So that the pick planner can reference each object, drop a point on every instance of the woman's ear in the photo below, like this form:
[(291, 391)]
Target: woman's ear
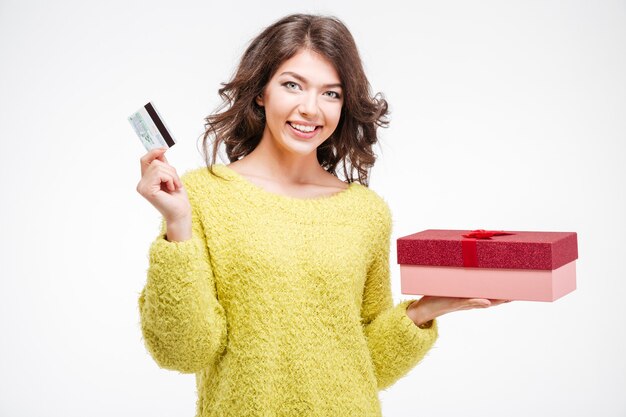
[(259, 99)]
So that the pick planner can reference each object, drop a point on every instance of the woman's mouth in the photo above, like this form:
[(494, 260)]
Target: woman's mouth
[(304, 135)]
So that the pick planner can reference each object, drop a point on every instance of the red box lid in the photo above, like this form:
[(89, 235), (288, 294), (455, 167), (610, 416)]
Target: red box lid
[(518, 250)]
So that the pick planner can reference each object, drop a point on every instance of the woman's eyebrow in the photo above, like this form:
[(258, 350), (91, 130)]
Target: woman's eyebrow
[(304, 80)]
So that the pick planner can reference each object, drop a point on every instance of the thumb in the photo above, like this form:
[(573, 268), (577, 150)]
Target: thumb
[(146, 160), (161, 155)]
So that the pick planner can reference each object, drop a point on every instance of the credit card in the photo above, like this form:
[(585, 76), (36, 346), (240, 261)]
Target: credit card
[(150, 128)]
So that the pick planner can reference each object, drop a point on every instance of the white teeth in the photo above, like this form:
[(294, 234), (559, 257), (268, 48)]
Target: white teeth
[(303, 128)]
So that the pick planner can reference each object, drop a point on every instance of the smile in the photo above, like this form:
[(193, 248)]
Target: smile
[(305, 135)]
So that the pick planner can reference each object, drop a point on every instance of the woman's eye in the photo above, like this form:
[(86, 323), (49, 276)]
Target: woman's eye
[(289, 83)]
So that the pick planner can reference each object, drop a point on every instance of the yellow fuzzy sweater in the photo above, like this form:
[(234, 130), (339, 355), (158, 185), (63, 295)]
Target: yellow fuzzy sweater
[(281, 306)]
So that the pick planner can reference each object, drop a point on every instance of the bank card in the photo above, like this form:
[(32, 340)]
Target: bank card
[(150, 128)]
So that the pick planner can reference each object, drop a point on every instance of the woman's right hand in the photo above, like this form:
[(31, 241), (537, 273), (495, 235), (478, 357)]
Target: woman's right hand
[(162, 187), (430, 307)]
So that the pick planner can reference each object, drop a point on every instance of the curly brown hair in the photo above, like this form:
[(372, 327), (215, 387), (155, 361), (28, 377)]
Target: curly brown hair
[(241, 126)]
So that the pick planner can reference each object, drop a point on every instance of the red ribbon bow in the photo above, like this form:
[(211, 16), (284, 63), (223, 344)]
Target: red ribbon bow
[(486, 234), (468, 245)]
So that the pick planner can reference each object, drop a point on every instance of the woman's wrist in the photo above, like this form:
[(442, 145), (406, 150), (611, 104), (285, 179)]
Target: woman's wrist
[(419, 315), (180, 230)]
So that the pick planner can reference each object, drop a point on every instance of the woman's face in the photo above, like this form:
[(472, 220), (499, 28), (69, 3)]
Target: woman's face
[(305, 90)]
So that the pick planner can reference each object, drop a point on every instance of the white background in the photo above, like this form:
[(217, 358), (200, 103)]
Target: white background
[(505, 115)]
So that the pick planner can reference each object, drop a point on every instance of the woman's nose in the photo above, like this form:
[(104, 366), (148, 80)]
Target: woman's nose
[(308, 105)]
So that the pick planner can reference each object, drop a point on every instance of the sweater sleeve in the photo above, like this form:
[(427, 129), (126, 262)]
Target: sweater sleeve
[(183, 324), (395, 342)]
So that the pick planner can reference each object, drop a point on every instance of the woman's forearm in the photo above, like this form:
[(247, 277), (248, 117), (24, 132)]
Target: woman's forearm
[(178, 231)]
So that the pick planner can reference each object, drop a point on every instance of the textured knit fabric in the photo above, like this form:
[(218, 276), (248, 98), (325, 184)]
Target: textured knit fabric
[(281, 306)]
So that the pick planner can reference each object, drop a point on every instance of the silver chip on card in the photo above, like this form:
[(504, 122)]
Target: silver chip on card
[(150, 128)]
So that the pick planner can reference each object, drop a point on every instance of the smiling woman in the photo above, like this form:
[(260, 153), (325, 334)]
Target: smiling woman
[(303, 70), (270, 276), (296, 111)]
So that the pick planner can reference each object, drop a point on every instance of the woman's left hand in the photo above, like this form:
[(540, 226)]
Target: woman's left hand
[(429, 307)]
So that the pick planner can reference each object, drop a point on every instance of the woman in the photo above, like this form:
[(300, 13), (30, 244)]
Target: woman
[(270, 276)]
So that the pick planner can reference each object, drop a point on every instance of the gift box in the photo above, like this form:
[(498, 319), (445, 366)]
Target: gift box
[(510, 265)]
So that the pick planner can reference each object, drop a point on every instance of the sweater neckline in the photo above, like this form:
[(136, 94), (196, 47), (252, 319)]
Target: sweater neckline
[(257, 189)]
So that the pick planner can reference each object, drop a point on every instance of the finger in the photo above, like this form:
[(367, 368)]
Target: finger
[(153, 154), (175, 178), (166, 180), (479, 302), (161, 156), (170, 170), (498, 302)]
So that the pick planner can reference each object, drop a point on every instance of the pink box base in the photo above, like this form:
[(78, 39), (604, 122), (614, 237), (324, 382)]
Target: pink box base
[(493, 283)]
